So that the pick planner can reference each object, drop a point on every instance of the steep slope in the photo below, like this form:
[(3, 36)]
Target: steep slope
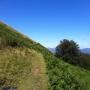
[(20, 67), (11, 37), (62, 76)]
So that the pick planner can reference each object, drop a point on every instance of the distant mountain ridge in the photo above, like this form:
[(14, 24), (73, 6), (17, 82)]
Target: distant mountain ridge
[(84, 50), (52, 49)]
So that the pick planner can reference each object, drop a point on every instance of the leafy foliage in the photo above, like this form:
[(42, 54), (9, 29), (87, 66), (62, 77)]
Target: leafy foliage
[(70, 52), (84, 61)]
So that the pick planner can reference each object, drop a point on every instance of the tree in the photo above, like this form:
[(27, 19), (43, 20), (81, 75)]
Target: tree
[(68, 50)]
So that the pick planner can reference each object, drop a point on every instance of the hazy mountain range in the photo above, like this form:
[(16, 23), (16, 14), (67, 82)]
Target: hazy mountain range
[(84, 50)]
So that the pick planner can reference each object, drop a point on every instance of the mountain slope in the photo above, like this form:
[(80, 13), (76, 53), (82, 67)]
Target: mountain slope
[(62, 76)]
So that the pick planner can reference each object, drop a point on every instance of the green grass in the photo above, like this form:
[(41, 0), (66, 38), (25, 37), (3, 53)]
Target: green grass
[(22, 68), (62, 76)]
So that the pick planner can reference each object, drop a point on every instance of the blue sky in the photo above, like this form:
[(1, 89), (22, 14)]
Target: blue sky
[(49, 21)]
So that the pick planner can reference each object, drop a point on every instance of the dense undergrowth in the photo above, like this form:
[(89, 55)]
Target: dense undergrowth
[(62, 76)]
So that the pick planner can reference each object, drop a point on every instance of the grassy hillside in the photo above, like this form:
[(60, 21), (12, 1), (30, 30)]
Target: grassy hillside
[(62, 76)]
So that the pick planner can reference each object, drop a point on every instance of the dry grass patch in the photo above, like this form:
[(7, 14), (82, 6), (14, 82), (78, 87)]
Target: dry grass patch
[(22, 68)]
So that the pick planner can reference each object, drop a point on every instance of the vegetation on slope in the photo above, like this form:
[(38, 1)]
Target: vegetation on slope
[(22, 68), (62, 76), (10, 37), (70, 52)]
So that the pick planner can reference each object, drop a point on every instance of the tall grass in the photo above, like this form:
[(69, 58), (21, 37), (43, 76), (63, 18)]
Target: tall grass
[(22, 68)]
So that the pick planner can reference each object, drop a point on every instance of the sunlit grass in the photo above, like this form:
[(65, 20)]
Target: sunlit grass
[(23, 68)]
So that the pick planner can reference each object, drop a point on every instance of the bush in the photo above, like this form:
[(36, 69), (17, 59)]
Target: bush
[(68, 50)]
